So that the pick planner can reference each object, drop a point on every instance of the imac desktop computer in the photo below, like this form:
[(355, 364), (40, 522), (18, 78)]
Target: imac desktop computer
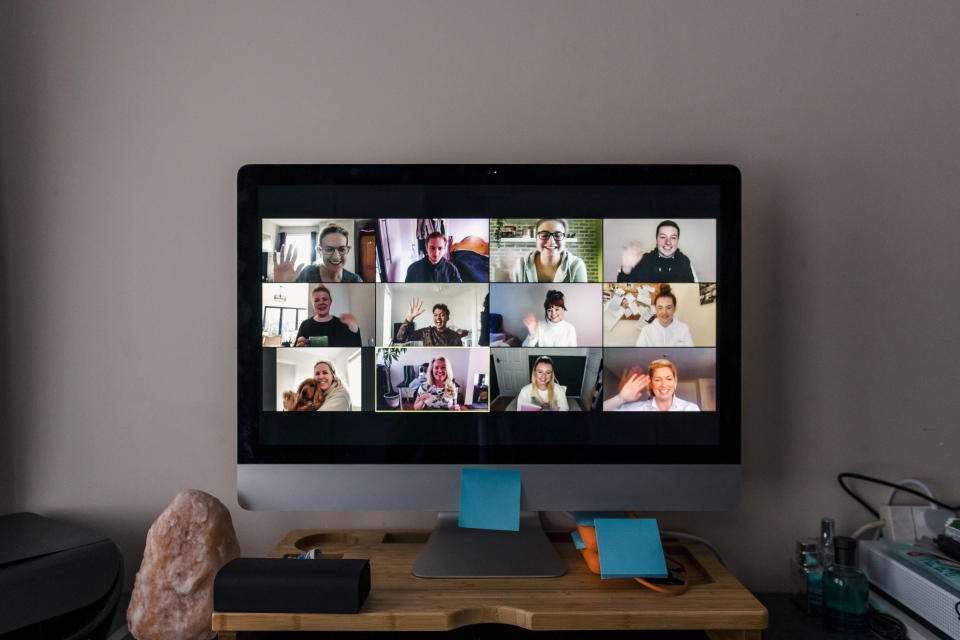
[(578, 323)]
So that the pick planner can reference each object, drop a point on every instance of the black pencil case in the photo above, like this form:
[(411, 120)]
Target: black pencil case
[(286, 585)]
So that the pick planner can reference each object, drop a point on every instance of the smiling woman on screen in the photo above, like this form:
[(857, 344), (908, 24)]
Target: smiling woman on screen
[(660, 380), (665, 330), (553, 331), (439, 391), (544, 391), (550, 262), (336, 397), (332, 249)]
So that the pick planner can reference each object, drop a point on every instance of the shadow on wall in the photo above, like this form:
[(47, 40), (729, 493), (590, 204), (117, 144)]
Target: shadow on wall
[(7, 499), (766, 358)]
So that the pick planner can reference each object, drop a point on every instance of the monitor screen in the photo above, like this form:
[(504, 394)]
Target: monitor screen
[(452, 315)]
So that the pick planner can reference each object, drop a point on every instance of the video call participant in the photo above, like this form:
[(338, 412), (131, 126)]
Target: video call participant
[(439, 391), (434, 267), (332, 249), (665, 263), (436, 336), (665, 330), (544, 390), (660, 380), (340, 332), (336, 397), (550, 261), (420, 379), (554, 331)]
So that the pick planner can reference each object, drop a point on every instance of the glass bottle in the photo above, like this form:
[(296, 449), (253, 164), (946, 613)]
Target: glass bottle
[(845, 590), (826, 542), (805, 577)]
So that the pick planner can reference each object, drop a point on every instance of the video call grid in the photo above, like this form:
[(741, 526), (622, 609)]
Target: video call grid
[(492, 282)]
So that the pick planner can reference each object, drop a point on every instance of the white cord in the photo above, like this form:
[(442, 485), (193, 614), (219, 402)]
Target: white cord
[(867, 527), (906, 481)]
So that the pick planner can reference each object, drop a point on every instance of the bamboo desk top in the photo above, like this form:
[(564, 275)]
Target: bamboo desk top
[(579, 600)]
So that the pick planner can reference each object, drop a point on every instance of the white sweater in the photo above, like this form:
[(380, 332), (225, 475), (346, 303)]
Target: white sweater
[(559, 395), (675, 334), (552, 334), (338, 400)]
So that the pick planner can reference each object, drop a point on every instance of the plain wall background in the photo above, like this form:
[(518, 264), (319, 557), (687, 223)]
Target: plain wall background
[(124, 124)]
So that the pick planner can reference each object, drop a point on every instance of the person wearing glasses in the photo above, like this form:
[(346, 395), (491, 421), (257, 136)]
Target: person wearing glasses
[(332, 249), (544, 393), (550, 262), (434, 268)]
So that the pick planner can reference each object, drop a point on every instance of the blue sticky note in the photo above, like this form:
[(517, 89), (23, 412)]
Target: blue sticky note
[(630, 548), (577, 540), (490, 499)]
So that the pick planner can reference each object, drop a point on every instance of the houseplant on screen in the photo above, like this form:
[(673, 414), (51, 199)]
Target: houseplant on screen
[(391, 355)]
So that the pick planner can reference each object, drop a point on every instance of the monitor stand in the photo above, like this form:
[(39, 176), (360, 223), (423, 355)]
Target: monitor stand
[(452, 552)]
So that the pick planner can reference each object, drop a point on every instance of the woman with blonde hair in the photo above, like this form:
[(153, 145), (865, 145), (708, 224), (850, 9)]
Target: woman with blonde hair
[(336, 396), (660, 380), (544, 392), (439, 391)]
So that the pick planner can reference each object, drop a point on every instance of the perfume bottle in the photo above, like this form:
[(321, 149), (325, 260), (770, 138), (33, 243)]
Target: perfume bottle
[(845, 590), (805, 576), (827, 528)]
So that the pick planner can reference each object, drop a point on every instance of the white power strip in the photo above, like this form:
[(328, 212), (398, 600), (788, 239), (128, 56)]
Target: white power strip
[(927, 596), (910, 523)]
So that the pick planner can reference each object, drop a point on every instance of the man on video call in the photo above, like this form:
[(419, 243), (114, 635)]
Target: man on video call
[(437, 335), (434, 268), (664, 263)]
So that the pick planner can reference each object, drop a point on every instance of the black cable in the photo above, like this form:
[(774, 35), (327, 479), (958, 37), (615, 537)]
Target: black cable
[(886, 626), (859, 476)]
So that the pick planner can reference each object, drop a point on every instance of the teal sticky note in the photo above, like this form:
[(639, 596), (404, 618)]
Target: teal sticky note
[(490, 499), (577, 540), (630, 548)]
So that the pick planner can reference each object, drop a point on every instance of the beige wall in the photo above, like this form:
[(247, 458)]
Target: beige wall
[(124, 124)]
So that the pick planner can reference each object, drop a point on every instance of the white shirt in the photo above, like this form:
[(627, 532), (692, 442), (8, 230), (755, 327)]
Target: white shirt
[(616, 404), (552, 334), (675, 334), (543, 396)]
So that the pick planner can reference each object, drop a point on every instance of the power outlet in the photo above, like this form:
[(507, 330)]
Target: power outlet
[(910, 523)]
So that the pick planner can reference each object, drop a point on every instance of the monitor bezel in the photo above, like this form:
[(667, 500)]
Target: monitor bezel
[(394, 450)]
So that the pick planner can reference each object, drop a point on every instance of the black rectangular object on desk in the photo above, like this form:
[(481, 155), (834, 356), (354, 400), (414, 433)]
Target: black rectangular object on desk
[(288, 585)]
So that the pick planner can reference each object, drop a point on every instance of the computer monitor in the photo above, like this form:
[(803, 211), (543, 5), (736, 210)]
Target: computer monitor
[(579, 323)]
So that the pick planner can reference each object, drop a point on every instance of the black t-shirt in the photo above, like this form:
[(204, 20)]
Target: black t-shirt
[(338, 333), (653, 268)]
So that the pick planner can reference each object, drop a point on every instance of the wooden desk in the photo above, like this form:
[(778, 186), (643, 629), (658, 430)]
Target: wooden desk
[(579, 600)]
